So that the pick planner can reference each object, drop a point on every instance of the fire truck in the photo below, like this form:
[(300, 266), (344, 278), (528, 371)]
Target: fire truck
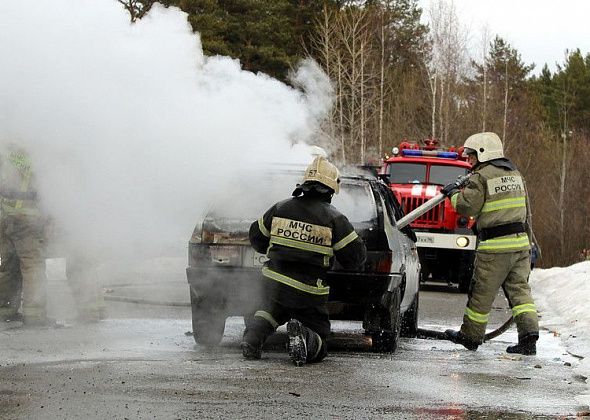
[(446, 240)]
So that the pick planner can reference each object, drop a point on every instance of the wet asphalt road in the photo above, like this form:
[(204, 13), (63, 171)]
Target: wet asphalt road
[(140, 363)]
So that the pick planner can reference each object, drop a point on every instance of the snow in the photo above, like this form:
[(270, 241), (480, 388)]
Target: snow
[(562, 295)]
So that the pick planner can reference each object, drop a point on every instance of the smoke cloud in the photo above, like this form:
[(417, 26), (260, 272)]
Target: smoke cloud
[(132, 131)]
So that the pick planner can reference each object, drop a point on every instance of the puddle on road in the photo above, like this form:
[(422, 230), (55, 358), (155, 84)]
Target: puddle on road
[(462, 413)]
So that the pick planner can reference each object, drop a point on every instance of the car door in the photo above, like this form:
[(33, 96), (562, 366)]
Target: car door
[(407, 245)]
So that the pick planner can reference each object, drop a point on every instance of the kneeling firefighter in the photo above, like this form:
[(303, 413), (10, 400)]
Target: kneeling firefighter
[(496, 196), (300, 236)]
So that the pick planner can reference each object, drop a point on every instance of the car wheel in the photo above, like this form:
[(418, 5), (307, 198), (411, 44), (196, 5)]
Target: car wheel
[(424, 274), (208, 319), (387, 339), (410, 319)]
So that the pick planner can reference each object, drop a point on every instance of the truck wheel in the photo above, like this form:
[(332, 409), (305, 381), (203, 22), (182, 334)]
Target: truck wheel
[(465, 276), (208, 319), (465, 271), (387, 339), (464, 284), (424, 274), (410, 319)]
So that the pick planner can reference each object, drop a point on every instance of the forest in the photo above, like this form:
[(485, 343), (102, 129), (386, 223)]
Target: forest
[(396, 78)]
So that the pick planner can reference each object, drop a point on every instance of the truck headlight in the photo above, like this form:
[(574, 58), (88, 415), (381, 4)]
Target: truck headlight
[(462, 241)]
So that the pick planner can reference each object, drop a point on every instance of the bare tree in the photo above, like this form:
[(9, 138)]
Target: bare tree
[(448, 65), (381, 79), (485, 42), (565, 104)]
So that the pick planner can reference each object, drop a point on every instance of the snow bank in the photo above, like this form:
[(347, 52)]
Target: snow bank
[(562, 295)]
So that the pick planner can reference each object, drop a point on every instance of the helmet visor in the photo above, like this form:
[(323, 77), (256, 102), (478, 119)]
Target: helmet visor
[(467, 151)]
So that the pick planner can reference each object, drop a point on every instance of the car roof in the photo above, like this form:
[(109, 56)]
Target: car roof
[(347, 175)]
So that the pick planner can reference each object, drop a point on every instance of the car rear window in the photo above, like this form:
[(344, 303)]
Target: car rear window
[(355, 201), (407, 173), (251, 199)]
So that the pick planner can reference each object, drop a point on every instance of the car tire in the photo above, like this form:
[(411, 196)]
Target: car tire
[(387, 339), (208, 319), (409, 326)]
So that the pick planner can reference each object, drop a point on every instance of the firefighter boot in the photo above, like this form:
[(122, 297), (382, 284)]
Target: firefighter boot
[(297, 344), (251, 344), (458, 337), (257, 331), (527, 345), (305, 345), (251, 351)]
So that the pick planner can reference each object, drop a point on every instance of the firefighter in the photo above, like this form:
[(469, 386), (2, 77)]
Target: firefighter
[(300, 236), (496, 196), (22, 270)]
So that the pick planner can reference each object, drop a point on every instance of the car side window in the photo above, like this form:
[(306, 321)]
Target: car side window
[(395, 211)]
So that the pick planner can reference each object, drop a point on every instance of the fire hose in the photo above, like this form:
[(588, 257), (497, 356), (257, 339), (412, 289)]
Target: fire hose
[(413, 215)]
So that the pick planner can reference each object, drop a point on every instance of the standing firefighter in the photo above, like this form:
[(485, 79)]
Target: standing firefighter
[(22, 271), (300, 236), (496, 197)]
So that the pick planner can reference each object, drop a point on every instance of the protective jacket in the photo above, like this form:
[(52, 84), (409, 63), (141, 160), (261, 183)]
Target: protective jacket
[(496, 196), (300, 236)]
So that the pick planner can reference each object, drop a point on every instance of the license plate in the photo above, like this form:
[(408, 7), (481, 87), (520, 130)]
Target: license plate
[(254, 259), (423, 239)]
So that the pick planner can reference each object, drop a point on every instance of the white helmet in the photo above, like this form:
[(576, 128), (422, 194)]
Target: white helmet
[(488, 146), (323, 172)]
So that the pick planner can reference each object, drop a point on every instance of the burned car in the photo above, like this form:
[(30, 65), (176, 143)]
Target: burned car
[(224, 271)]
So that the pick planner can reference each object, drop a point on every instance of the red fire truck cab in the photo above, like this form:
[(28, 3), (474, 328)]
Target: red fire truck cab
[(446, 241)]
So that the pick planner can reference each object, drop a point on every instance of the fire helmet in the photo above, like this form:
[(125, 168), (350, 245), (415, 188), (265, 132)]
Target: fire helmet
[(322, 171), (488, 146)]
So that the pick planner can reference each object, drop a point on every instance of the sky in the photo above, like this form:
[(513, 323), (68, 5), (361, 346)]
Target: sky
[(541, 30)]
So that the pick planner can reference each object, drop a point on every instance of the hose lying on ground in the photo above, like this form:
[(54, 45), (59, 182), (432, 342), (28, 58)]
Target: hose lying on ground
[(440, 335), (145, 301), (421, 333)]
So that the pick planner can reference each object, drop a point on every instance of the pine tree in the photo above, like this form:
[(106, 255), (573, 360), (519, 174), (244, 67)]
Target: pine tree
[(265, 35)]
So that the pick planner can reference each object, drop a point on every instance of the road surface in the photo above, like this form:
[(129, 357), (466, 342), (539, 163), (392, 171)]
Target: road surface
[(141, 363)]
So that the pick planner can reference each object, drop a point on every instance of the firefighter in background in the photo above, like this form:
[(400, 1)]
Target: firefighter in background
[(300, 236), (22, 270), (496, 196)]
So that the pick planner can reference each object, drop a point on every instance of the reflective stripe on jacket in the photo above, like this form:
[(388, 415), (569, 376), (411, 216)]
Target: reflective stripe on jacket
[(495, 196), (16, 176)]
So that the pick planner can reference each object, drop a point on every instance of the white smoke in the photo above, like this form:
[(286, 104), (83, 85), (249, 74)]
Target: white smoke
[(132, 131)]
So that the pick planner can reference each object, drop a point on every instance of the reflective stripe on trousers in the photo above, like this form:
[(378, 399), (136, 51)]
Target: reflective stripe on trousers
[(296, 284)]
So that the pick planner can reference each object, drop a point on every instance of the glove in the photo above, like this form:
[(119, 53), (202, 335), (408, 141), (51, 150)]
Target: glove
[(449, 189), (453, 187)]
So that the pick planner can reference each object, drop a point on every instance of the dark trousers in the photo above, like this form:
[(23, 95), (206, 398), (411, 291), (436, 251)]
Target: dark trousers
[(271, 314)]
